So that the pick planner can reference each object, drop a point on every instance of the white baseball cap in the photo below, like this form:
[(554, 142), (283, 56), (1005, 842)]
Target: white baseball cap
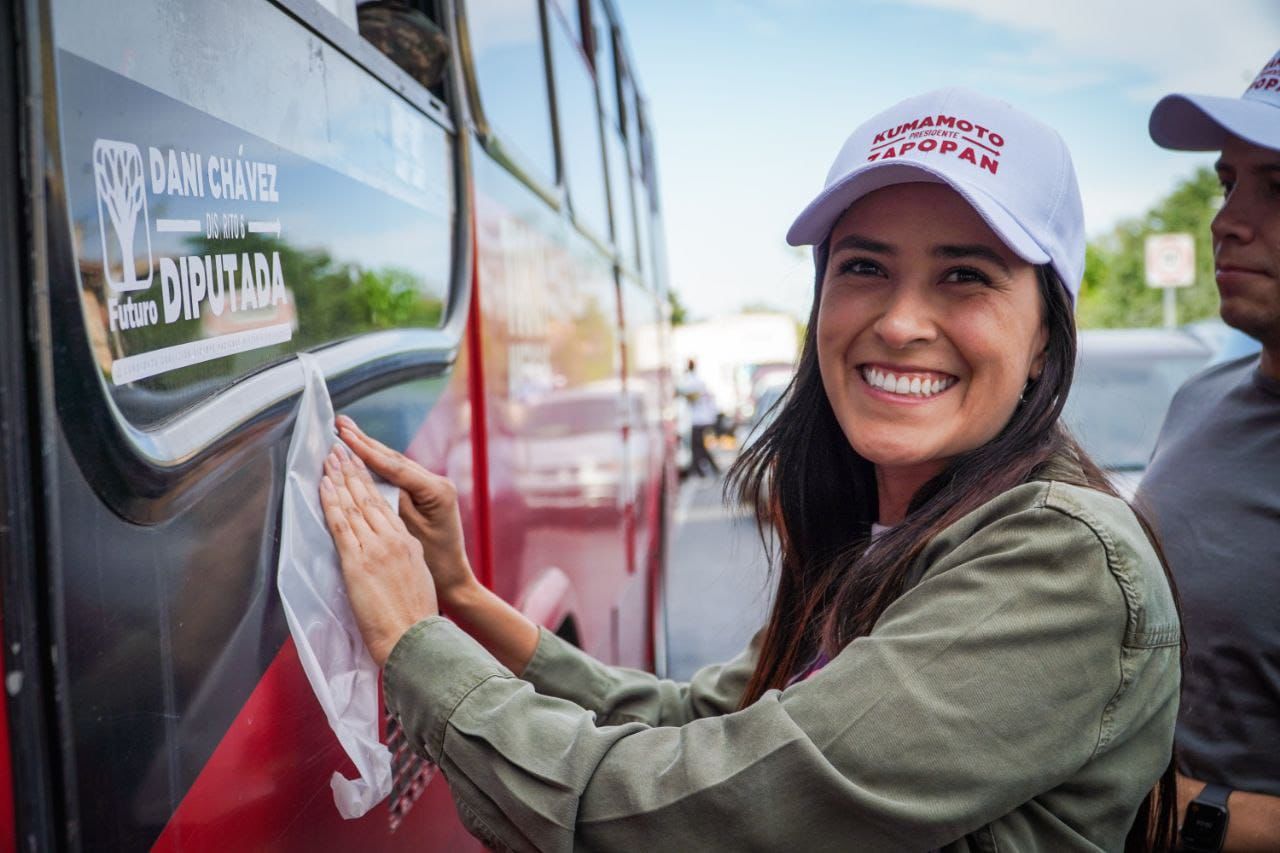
[(1203, 122), (1015, 171)]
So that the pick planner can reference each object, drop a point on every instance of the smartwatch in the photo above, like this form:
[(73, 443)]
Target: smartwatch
[(1204, 827)]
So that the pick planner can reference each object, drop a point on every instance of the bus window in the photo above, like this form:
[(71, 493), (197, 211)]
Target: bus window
[(624, 223), (228, 209), (643, 220), (506, 50), (579, 126), (630, 118), (409, 37), (603, 58), (606, 69)]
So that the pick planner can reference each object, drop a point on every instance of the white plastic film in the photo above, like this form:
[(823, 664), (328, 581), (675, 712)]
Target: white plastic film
[(342, 674)]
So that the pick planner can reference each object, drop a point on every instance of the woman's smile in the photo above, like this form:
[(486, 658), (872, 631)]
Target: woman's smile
[(905, 384)]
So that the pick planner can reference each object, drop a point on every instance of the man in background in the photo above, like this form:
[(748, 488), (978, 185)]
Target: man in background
[(1213, 488), (702, 417)]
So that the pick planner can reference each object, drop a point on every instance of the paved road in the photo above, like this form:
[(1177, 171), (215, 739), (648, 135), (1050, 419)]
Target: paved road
[(716, 580)]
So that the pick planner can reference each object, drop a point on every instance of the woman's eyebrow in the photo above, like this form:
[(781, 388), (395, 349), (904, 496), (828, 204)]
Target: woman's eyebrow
[(866, 244), (973, 251)]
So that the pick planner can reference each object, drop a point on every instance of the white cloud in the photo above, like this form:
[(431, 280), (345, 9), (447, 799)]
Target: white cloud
[(1174, 45)]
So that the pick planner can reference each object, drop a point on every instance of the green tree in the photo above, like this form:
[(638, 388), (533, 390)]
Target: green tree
[(1115, 292), (679, 313)]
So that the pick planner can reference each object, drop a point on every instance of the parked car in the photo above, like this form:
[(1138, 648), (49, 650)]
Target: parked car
[(765, 409), (1124, 382), (1227, 343)]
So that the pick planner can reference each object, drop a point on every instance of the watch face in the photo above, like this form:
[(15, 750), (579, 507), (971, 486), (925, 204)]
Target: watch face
[(1204, 826)]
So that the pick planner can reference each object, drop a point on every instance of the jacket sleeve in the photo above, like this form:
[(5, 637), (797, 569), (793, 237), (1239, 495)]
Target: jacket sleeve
[(620, 695), (981, 687)]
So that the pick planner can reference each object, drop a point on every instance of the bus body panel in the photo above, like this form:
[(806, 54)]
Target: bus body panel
[(180, 714)]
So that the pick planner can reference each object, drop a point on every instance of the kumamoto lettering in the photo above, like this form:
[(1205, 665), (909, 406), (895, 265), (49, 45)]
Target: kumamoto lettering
[(942, 135), (960, 124)]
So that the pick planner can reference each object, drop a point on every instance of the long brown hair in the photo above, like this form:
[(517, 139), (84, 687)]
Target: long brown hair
[(831, 588)]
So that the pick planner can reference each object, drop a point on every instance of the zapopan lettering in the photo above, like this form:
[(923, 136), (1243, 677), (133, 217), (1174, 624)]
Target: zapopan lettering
[(945, 146), (1265, 82), (1269, 77), (211, 279)]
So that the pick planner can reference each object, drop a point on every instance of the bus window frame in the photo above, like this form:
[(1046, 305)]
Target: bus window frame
[(507, 155), (602, 241), (145, 475), (35, 771), (351, 44)]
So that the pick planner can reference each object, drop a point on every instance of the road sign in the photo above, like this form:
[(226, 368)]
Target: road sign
[(1171, 260)]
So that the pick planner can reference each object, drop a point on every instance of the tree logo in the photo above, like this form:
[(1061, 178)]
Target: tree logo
[(122, 191)]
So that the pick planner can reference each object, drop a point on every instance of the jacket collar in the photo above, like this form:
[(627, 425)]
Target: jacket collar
[(1064, 467)]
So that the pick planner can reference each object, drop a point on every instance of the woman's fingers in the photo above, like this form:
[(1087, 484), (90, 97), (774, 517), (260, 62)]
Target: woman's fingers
[(393, 467), (336, 520), (346, 503), (382, 519)]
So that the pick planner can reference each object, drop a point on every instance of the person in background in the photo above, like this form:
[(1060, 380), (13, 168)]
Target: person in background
[(702, 419), (973, 645), (1213, 488)]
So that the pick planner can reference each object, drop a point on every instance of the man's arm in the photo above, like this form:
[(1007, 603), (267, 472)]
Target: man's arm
[(1254, 825)]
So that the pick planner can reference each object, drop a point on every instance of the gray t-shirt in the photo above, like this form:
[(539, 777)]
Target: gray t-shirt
[(1213, 493)]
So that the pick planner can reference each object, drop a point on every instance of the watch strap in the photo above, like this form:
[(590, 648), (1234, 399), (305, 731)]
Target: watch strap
[(1214, 795)]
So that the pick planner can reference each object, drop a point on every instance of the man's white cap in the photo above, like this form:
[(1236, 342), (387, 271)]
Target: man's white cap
[(1203, 122), (1013, 169)]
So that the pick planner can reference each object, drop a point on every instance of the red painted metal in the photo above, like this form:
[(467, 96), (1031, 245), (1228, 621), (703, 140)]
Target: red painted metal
[(479, 431), (549, 599), (266, 787)]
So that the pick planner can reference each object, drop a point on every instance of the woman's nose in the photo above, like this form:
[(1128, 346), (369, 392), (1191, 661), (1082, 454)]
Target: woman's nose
[(907, 319)]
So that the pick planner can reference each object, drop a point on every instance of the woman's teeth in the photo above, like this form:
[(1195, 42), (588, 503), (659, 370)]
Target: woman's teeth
[(915, 385)]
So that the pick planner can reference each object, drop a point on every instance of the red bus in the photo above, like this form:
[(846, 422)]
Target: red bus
[(453, 205)]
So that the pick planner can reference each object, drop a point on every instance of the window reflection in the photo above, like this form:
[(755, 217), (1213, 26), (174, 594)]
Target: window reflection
[(579, 126), (506, 49)]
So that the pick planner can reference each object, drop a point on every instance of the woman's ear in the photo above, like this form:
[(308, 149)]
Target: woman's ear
[(1042, 354)]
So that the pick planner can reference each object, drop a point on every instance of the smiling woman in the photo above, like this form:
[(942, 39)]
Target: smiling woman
[(929, 329), (973, 645)]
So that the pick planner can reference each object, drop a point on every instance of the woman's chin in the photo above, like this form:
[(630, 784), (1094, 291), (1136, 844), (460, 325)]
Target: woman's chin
[(896, 453)]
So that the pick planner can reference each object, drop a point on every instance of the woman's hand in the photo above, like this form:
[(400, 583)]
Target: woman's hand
[(387, 579), (429, 510), (428, 506)]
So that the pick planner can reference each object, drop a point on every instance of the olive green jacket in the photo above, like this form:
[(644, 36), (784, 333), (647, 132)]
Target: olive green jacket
[(1019, 696)]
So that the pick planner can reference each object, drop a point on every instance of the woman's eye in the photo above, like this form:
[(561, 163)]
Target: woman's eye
[(966, 275), (1226, 187), (860, 266)]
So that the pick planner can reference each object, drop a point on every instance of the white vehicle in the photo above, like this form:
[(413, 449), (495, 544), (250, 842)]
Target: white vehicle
[(730, 352), (1124, 382)]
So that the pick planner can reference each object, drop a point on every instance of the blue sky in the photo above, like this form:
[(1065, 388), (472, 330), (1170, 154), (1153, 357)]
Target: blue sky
[(751, 99)]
